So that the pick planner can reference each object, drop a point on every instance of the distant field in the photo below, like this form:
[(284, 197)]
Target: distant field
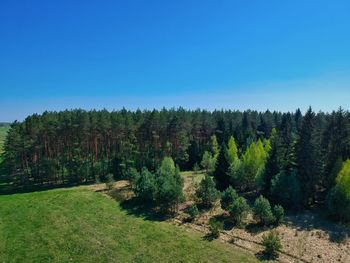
[(75, 225), (3, 132)]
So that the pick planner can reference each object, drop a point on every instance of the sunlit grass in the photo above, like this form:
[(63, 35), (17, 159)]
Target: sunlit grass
[(78, 225)]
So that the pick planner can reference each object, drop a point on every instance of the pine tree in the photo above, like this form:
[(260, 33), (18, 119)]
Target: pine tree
[(336, 145), (221, 131), (208, 162), (193, 154), (221, 173), (206, 192), (214, 146), (286, 148), (309, 158), (232, 151), (169, 186), (253, 162), (298, 119), (273, 163), (338, 199)]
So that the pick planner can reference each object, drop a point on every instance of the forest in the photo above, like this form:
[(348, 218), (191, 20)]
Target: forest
[(295, 160)]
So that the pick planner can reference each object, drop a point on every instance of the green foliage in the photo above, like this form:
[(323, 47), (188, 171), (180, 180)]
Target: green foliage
[(167, 167), (215, 227), (192, 210), (214, 146), (285, 189), (77, 146), (338, 200), (194, 154), (338, 204), (330, 179), (286, 151), (336, 145), (272, 166), (132, 174), (272, 244), (263, 212), (240, 211), (278, 212), (109, 181), (163, 188), (232, 151), (169, 186), (3, 132), (208, 162), (145, 186), (309, 158), (252, 162), (343, 178), (227, 198), (207, 192), (221, 173)]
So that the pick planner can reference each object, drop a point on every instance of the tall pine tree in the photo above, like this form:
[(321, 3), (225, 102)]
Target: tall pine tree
[(309, 158), (272, 166), (221, 174)]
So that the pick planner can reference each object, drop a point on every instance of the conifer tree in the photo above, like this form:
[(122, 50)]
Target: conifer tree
[(232, 151), (214, 146), (272, 166), (252, 165), (221, 174), (309, 158), (336, 146), (208, 162)]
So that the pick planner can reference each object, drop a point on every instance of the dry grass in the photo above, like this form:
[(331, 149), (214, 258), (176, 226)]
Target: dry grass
[(306, 236)]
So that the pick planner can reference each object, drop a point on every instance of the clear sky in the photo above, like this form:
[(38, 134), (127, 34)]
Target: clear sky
[(148, 54)]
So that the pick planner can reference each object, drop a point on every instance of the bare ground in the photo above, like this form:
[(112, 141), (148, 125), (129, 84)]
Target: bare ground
[(306, 236)]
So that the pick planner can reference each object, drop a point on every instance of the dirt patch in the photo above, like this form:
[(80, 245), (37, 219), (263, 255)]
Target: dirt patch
[(305, 236)]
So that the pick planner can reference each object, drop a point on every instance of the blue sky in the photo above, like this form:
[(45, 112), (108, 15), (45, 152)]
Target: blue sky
[(149, 54)]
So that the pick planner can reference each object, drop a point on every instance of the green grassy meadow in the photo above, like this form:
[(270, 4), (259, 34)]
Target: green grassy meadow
[(79, 225)]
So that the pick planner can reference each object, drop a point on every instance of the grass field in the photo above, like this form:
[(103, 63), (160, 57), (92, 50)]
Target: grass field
[(3, 132), (77, 225)]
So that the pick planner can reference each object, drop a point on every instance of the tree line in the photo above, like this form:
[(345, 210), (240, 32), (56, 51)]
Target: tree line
[(293, 159), (76, 145)]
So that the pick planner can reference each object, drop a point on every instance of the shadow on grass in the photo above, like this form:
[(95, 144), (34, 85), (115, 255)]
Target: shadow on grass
[(264, 257), (257, 228), (7, 188), (209, 237), (144, 210), (227, 221)]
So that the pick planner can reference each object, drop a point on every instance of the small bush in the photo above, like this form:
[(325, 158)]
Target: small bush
[(215, 227), (109, 181), (272, 244), (263, 212), (227, 198), (240, 211), (193, 212), (278, 212), (207, 193)]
